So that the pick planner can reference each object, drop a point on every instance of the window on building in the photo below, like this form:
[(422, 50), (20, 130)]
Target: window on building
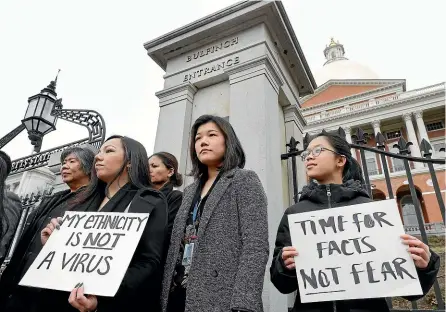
[(408, 211), (436, 146), (372, 165), (394, 134), (437, 125), (397, 164)]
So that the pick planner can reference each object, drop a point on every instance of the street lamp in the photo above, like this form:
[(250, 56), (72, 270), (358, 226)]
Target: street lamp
[(42, 113), (39, 119)]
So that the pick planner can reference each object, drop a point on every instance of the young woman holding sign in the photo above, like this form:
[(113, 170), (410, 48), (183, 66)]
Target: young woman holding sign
[(219, 245), (338, 182), (120, 184)]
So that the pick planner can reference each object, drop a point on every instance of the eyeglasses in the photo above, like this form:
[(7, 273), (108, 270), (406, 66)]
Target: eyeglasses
[(316, 152)]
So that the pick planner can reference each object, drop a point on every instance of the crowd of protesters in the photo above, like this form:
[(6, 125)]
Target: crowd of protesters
[(203, 249)]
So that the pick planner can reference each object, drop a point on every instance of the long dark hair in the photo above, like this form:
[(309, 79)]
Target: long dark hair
[(352, 169), (5, 168), (134, 154), (234, 155), (170, 162)]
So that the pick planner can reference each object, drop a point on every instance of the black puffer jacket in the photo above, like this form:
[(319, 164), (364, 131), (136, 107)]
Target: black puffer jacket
[(316, 197), (10, 221)]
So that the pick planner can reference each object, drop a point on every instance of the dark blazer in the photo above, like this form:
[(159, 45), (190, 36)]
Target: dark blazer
[(174, 198), (229, 262), (140, 288), (13, 210), (314, 197)]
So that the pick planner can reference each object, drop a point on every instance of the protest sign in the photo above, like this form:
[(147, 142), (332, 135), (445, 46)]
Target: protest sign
[(352, 252), (94, 248)]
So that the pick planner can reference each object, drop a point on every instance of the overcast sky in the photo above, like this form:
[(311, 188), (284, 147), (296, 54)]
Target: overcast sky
[(98, 45)]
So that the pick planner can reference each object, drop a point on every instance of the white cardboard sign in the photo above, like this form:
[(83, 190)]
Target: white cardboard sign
[(94, 248), (352, 252)]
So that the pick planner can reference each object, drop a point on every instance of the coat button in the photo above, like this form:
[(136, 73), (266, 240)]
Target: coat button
[(214, 273)]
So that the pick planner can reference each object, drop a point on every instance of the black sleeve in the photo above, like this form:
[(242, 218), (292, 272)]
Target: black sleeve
[(174, 204), (146, 262), (285, 280), (427, 276)]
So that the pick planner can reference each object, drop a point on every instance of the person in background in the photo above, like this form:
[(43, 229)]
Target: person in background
[(338, 178), (120, 184), (76, 167), (164, 176), (10, 208), (219, 246)]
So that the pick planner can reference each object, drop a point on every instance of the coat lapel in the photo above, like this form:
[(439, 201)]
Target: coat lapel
[(214, 198)]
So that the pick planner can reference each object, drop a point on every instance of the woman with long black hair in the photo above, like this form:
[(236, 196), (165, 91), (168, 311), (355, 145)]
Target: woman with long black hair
[(336, 181), (120, 184)]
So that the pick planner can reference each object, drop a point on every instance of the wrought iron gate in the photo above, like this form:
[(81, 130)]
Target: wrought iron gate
[(360, 141)]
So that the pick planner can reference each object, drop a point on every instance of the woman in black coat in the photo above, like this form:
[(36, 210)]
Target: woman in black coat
[(164, 176), (120, 184), (339, 179)]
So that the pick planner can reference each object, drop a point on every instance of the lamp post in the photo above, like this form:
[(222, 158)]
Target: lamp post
[(42, 113), (38, 119)]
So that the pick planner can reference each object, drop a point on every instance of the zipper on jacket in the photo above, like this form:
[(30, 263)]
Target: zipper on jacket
[(334, 306), (329, 196)]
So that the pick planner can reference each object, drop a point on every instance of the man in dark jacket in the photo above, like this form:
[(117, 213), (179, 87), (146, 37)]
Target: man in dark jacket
[(316, 197), (76, 168)]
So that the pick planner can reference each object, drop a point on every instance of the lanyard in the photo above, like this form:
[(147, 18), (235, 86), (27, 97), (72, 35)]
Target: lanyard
[(195, 212)]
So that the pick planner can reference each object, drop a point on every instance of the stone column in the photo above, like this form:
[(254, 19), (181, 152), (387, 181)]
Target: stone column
[(421, 127), (258, 120), (174, 122), (412, 137), (376, 124), (348, 137)]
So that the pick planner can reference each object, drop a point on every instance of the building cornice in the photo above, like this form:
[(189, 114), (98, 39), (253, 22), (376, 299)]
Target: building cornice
[(358, 97), (416, 96), (354, 82), (400, 106), (250, 68), (231, 20), (184, 91)]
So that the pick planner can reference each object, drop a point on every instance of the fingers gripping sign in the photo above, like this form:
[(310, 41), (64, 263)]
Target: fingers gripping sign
[(288, 254), (53, 225), (418, 250), (82, 302)]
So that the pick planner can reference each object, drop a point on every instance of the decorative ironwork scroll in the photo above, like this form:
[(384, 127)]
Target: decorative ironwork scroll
[(89, 119)]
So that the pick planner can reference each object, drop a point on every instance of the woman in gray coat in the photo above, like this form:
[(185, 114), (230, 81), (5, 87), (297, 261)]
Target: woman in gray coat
[(219, 246)]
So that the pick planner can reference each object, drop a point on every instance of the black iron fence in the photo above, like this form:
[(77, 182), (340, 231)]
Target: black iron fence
[(406, 164)]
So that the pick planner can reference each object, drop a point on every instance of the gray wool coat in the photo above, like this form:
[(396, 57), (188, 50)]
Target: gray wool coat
[(228, 266)]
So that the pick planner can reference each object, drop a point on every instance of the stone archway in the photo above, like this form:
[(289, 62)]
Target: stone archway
[(407, 207)]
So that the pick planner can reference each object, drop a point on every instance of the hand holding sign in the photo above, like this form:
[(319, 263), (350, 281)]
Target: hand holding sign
[(288, 254), (82, 302), (418, 250), (48, 230)]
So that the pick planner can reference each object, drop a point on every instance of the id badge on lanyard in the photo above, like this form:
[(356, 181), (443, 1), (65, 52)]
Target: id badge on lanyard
[(189, 247)]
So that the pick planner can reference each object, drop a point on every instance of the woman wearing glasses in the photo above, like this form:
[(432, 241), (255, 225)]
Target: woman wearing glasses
[(336, 181)]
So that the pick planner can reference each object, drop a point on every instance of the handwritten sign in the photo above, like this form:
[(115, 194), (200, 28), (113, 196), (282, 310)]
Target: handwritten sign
[(91, 247), (352, 252)]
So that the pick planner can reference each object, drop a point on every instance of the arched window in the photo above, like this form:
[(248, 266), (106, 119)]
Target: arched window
[(408, 211)]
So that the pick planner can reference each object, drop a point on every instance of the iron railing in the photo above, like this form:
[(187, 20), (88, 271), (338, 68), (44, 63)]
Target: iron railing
[(421, 229)]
